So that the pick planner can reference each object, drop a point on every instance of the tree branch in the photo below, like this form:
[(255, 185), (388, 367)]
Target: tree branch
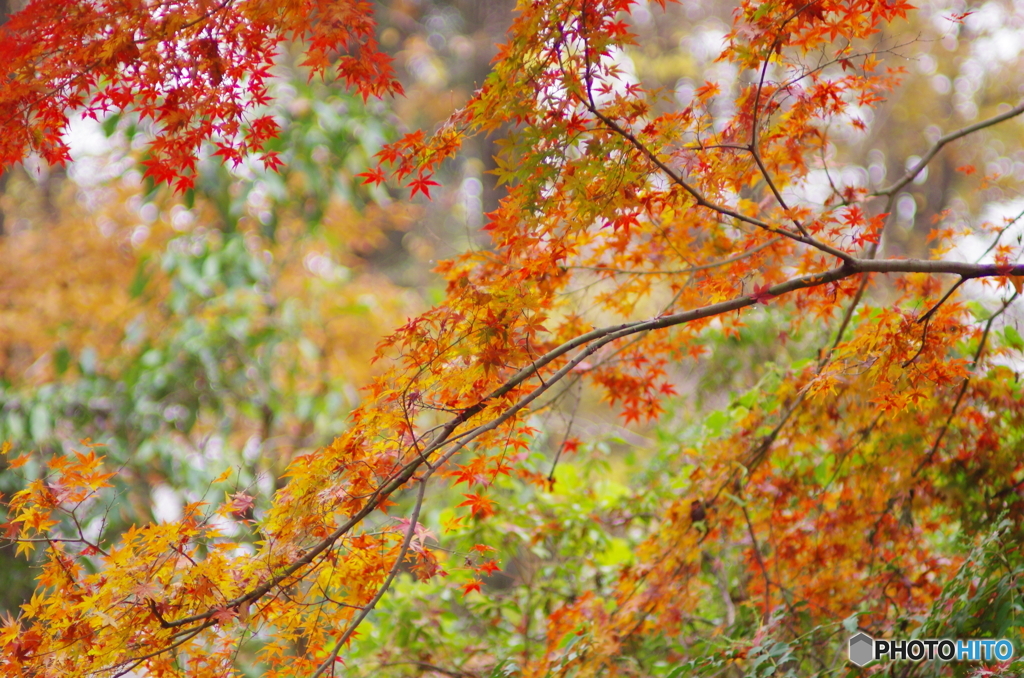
[(410, 531), (912, 173)]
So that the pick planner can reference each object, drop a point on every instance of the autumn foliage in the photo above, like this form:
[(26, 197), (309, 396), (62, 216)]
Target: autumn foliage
[(635, 227), (197, 72)]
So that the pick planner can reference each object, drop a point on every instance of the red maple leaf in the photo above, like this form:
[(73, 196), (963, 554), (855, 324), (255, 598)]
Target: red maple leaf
[(241, 503), (490, 567), (422, 184), (223, 615), (373, 176), (479, 505), (761, 294)]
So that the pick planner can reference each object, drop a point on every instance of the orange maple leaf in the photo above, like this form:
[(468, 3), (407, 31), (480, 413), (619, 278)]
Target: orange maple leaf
[(479, 505)]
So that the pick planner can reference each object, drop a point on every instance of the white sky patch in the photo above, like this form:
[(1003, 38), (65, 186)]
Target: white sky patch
[(167, 504), (626, 75), (707, 43), (998, 30), (971, 247), (93, 160)]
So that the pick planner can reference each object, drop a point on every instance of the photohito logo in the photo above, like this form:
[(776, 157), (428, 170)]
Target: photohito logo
[(864, 649)]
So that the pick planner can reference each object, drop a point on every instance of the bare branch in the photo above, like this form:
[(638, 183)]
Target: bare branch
[(912, 173)]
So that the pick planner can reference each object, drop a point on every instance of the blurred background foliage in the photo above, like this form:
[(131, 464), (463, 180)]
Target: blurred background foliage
[(234, 326)]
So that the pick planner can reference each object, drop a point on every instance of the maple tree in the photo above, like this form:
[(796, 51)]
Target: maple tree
[(640, 230)]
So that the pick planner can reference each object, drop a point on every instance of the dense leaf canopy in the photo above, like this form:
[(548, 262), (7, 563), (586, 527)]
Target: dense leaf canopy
[(728, 371)]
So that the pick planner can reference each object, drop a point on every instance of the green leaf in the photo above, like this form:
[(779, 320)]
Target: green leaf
[(716, 422), (761, 11), (677, 672), (1013, 338), (142, 277), (734, 499), (617, 553), (61, 359), (978, 310), (850, 623)]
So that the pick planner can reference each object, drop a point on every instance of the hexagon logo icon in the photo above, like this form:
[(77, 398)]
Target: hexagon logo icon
[(862, 649)]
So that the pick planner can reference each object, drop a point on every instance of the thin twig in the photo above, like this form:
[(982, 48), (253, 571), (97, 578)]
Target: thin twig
[(920, 349), (565, 439), (760, 562), (963, 387), (694, 192), (683, 271), (927, 316), (919, 166), (409, 533)]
